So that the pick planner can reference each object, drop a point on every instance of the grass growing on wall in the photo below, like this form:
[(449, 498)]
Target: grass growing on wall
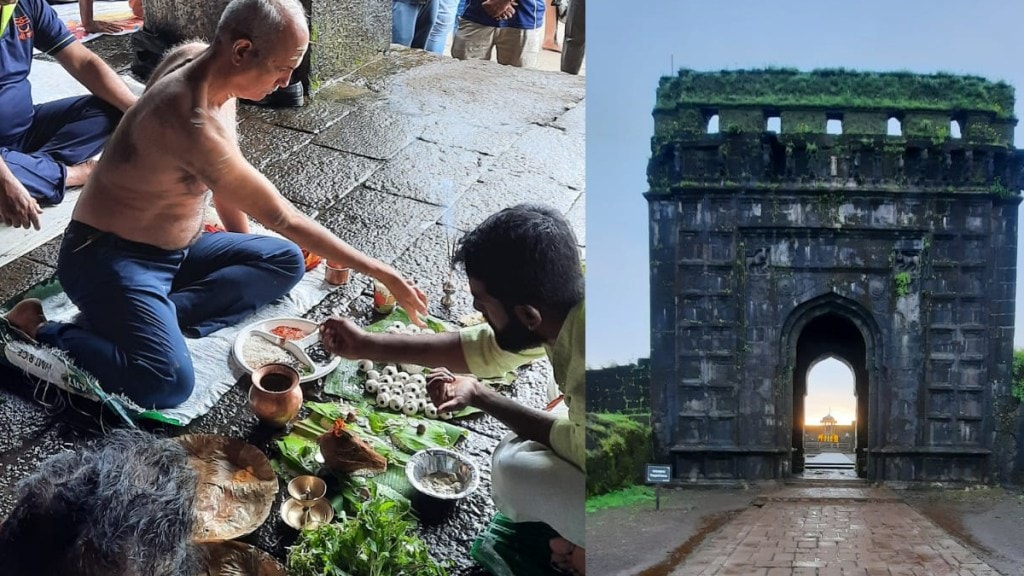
[(632, 496), (1018, 374), (837, 88)]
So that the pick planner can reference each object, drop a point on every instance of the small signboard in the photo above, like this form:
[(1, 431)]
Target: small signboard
[(658, 474)]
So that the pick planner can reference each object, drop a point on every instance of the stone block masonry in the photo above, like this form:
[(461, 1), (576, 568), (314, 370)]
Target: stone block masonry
[(869, 217)]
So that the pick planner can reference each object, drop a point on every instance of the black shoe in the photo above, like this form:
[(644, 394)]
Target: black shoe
[(291, 96)]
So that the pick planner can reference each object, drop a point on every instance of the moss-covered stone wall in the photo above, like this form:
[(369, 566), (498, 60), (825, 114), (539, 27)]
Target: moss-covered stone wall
[(620, 389), (837, 88), (863, 101)]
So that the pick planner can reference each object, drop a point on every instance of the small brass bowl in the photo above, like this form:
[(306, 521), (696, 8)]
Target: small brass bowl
[(307, 489), (299, 517)]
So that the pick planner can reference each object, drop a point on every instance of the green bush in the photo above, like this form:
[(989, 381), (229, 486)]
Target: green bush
[(618, 448), (1018, 374)]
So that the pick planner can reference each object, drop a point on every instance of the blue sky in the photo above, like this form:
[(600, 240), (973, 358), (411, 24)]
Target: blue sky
[(631, 48)]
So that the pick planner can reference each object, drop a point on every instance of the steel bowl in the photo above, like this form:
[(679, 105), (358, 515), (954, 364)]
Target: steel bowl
[(442, 474)]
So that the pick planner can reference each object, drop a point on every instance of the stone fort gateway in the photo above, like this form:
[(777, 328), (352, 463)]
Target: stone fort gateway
[(869, 217)]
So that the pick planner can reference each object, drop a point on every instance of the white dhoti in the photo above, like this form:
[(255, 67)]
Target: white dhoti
[(530, 483)]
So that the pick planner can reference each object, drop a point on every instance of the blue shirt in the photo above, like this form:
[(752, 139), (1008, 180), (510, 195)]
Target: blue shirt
[(34, 24), (529, 15)]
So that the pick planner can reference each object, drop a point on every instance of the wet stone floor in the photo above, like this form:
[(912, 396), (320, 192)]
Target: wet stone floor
[(832, 532), (392, 159)]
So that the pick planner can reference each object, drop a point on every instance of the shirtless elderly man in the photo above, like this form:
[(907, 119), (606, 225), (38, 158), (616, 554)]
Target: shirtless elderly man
[(134, 259)]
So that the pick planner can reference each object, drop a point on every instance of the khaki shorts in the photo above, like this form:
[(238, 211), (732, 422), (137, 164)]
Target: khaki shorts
[(516, 47)]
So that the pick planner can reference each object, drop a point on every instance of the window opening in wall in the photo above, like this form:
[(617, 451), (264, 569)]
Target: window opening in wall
[(895, 127), (834, 126), (774, 124), (713, 124), (954, 129)]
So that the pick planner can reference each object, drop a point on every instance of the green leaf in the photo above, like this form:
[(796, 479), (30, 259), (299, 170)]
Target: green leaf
[(399, 315)]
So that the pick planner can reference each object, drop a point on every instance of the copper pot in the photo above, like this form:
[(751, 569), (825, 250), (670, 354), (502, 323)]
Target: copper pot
[(336, 273), (275, 396)]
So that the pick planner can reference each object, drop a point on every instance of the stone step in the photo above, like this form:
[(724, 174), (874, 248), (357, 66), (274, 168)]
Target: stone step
[(828, 494)]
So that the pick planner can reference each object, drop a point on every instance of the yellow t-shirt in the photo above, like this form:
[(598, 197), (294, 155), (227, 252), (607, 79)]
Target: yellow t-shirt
[(568, 359)]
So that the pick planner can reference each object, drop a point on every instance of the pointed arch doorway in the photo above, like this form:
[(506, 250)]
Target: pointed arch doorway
[(832, 327)]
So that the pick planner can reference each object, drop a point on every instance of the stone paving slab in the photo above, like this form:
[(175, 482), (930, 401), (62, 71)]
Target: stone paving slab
[(379, 223), (373, 131), (497, 186), (262, 143), (322, 178), (824, 538), (830, 493), (427, 172), (828, 459)]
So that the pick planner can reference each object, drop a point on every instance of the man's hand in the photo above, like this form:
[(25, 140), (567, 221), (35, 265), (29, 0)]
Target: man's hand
[(341, 337), (500, 9), (101, 27), (451, 393), (17, 207)]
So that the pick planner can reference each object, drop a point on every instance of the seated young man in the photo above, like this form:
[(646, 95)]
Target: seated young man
[(134, 258), (45, 148), (526, 279)]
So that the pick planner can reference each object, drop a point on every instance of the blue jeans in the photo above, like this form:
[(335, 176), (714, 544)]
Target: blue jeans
[(443, 25), (63, 133), (411, 21), (137, 299)]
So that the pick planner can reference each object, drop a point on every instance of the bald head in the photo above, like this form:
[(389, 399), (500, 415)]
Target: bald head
[(260, 21)]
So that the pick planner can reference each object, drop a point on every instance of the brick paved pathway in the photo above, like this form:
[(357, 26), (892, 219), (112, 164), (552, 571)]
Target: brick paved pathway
[(866, 532)]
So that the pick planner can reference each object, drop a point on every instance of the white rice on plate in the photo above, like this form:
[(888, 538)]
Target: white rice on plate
[(257, 352)]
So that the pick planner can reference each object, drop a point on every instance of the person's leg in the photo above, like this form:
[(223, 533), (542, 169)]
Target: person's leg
[(518, 47), (64, 133), (458, 14), (132, 344), (442, 26), (530, 483), (425, 18), (403, 22), (575, 41), (228, 276), (473, 41), (551, 28)]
